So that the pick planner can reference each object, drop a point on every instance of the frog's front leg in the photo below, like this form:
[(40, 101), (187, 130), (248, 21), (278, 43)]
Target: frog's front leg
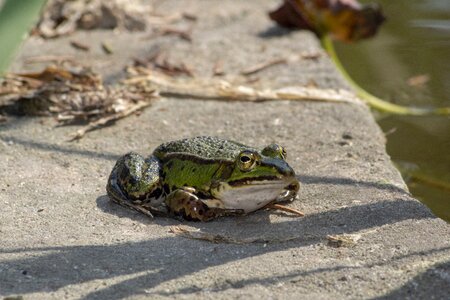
[(185, 203), (135, 182)]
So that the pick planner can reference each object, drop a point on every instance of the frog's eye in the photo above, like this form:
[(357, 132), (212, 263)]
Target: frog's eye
[(246, 160), (274, 151)]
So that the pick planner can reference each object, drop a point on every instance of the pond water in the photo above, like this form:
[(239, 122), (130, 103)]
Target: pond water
[(408, 63)]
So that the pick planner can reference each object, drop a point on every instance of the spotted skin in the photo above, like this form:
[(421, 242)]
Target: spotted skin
[(194, 178)]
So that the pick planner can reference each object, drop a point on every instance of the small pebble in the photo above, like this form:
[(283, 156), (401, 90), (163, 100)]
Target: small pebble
[(347, 136)]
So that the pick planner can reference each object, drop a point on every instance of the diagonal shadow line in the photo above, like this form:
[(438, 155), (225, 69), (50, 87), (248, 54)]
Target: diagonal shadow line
[(320, 225), (57, 148), (289, 277), (337, 221), (310, 179), (434, 283), (275, 31), (169, 258)]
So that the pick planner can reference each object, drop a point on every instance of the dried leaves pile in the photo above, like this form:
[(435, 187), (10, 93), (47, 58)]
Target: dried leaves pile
[(73, 95)]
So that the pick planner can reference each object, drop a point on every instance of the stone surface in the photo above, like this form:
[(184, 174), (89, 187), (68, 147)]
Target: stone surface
[(62, 238)]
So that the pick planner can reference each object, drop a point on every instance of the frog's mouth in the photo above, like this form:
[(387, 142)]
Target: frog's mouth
[(251, 195)]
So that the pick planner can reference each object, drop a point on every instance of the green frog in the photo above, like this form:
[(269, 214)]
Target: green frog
[(203, 178)]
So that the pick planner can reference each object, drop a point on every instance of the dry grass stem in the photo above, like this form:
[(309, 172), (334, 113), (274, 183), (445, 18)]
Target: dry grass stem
[(262, 66), (285, 209), (222, 90)]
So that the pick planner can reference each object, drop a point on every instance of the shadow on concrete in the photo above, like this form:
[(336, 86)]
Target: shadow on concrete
[(274, 31), (143, 265), (339, 221), (435, 278), (308, 179), (14, 122), (58, 148), (405, 292)]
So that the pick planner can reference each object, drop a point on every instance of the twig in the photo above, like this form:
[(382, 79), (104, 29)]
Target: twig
[(79, 46), (103, 121), (48, 58), (286, 209), (189, 16), (196, 234), (222, 90), (261, 66), (183, 34)]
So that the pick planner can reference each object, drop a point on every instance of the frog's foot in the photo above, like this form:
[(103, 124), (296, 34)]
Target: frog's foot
[(133, 183), (184, 203), (290, 193)]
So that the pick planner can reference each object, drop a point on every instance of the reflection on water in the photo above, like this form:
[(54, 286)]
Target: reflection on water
[(409, 63)]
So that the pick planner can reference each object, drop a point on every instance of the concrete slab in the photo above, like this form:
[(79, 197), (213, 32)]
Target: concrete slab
[(61, 238)]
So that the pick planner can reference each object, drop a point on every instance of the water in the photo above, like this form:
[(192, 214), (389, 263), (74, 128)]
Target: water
[(415, 41)]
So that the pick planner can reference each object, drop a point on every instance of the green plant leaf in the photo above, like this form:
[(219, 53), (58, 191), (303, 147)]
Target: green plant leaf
[(16, 19)]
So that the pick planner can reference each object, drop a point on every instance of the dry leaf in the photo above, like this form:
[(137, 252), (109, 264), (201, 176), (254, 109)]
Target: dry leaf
[(419, 80), (184, 34), (346, 20), (344, 240), (160, 61), (80, 46)]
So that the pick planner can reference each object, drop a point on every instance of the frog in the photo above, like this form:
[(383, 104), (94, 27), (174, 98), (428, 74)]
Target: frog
[(203, 178)]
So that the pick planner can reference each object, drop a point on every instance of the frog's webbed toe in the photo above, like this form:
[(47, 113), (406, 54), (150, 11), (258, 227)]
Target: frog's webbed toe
[(290, 193)]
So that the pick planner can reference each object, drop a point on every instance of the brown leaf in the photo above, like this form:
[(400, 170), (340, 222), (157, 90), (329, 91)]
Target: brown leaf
[(63, 77), (160, 61), (344, 240), (80, 46), (419, 80), (345, 20)]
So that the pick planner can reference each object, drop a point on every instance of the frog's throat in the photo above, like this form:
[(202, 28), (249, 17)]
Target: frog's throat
[(253, 195)]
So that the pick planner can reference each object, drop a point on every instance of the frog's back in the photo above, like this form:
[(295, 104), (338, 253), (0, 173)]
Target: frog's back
[(207, 147)]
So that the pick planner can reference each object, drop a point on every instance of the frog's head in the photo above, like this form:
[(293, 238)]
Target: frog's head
[(256, 179)]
